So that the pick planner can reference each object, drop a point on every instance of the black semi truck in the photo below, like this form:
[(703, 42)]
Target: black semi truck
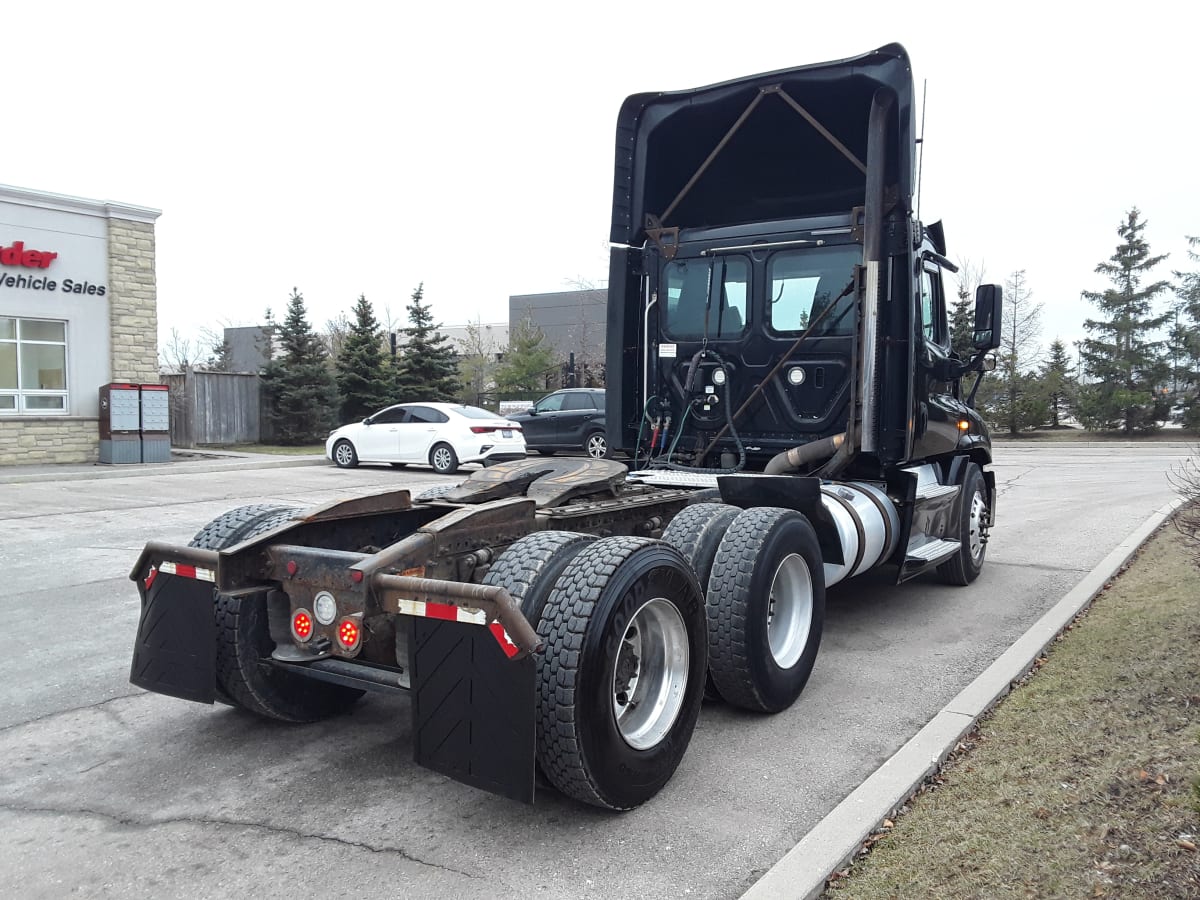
[(781, 379)]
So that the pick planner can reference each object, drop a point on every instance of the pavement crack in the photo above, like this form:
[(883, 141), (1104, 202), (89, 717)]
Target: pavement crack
[(131, 822), (74, 709), (1003, 487)]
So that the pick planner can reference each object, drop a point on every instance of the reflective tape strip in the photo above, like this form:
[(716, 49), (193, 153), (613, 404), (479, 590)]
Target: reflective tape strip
[(170, 568), (446, 611), (450, 613)]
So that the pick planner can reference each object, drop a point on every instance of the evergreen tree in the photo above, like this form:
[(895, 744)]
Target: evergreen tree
[(1058, 381), (527, 361), (962, 310), (428, 369), (297, 384), (362, 378), (1121, 354), (1185, 339)]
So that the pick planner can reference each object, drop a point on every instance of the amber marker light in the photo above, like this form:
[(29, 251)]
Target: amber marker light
[(964, 425)]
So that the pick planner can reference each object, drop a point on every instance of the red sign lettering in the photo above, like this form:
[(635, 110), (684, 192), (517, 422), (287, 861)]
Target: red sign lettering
[(17, 255)]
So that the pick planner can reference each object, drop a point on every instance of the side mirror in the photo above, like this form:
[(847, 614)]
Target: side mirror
[(988, 316), (989, 363), (367, 420), (532, 411)]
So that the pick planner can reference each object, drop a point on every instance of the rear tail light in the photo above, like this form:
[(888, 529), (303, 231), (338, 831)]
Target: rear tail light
[(483, 429), (348, 633), (302, 625)]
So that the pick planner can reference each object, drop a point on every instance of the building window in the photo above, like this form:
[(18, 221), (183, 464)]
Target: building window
[(33, 366)]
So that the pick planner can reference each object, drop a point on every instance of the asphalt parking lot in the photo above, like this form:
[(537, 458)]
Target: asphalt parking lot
[(110, 791)]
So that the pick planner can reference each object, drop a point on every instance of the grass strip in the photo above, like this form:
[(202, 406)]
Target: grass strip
[(1085, 780)]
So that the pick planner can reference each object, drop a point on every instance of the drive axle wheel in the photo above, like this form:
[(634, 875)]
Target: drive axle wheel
[(766, 608), (696, 532), (971, 518), (622, 676), (244, 639)]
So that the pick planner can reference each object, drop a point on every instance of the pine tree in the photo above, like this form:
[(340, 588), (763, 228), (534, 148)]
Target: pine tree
[(1058, 381), (1127, 363), (527, 361), (962, 310), (362, 379), (297, 384), (1185, 338), (428, 369)]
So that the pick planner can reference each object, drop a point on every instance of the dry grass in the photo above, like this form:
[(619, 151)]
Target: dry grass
[(1085, 781), (1075, 435)]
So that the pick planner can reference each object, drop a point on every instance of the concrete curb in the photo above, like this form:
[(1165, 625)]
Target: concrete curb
[(1091, 445), (172, 468), (836, 838)]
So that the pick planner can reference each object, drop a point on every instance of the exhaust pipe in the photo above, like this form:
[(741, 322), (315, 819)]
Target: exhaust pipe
[(792, 460)]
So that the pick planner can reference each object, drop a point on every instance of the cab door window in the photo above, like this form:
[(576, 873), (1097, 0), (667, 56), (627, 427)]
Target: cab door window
[(933, 306)]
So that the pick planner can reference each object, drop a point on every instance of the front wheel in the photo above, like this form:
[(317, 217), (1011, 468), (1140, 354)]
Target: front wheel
[(766, 608), (622, 678), (344, 455), (443, 459), (971, 520), (596, 445)]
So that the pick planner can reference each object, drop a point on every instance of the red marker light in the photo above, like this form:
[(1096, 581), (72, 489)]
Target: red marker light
[(348, 633), (292, 567), (356, 576), (302, 625)]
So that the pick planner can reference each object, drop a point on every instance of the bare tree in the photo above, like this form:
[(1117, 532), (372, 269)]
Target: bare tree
[(478, 356), (177, 353), (334, 335)]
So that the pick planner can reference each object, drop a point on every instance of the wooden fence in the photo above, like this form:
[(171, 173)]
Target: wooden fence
[(214, 408)]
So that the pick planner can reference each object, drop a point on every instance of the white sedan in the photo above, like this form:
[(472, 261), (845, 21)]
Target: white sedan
[(444, 435)]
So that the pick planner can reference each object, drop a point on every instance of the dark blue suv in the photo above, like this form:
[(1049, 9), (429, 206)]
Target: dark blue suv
[(570, 419)]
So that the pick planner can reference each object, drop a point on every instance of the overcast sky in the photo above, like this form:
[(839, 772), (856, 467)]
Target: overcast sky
[(365, 147)]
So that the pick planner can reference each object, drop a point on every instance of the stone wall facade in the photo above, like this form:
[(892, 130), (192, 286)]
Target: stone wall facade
[(31, 441), (133, 303)]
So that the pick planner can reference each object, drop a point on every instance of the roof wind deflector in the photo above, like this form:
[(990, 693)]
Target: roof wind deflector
[(720, 156)]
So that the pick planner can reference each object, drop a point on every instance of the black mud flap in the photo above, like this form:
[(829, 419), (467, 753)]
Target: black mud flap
[(175, 650), (473, 708)]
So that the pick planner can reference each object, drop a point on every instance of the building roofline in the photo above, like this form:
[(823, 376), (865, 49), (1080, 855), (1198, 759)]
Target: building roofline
[(103, 209)]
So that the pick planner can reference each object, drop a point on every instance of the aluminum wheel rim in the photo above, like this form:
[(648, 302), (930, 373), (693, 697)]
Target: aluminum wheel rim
[(441, 458), (597, 446), (790, 611), (975, 526), (344, 454), (650, 676)]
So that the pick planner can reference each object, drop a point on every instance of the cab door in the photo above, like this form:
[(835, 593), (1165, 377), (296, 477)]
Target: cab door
[(938, 410)]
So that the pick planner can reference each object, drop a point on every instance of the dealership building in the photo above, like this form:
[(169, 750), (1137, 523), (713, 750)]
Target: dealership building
[(78, 310)]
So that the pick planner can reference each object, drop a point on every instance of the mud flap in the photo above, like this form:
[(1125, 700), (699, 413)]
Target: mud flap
[(473, 708), (175, 649)]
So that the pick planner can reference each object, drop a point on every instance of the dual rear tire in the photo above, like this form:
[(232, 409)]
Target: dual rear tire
[(764, 584), (621, 680)]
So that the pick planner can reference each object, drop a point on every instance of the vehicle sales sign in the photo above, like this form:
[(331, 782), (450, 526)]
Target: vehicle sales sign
[(24, 268)]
